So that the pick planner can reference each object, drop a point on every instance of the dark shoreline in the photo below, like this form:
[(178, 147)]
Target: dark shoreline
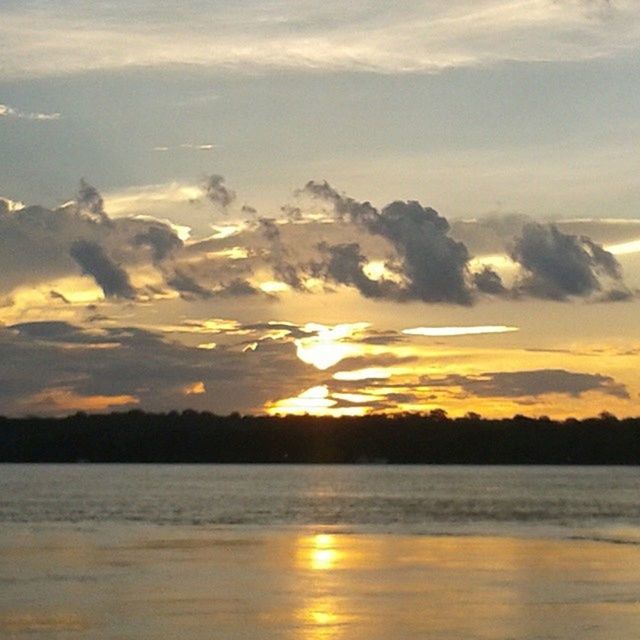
[(192, 437)]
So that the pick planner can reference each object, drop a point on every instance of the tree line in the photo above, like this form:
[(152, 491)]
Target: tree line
[(433, 438)]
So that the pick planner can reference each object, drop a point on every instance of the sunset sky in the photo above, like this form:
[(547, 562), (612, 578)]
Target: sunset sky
[(279, 206)]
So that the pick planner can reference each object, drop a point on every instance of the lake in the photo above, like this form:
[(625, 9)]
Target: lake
[(319, 552)]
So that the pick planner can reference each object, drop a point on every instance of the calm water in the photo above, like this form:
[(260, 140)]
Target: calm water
[(396, 499), (319, 553)]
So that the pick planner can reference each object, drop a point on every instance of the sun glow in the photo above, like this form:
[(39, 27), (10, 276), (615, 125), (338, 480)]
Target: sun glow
[(329, 345), (624, 248), (316, 401)]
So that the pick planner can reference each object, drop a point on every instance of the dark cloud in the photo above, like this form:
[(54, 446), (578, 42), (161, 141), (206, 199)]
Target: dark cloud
[(160, 238), (187, 285), (293, 331), (523, 384), (117, 361), (283, 269), (217, 192), (488, 281), (111, 278), (292, 213), (434, 265), (237, 288), (345, 265), (345, 207), (558, 265), (90, 201), (36, 243), (48, 330)]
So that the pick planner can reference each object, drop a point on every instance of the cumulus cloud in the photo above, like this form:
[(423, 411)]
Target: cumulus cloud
[(39, 245), (558, 265), (434, 265), (523, 384), (111, 278), (402, 252), (161, 239)]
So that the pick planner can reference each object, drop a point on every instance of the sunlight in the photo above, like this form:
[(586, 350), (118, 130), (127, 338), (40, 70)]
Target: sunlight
[(319, 552), (368, 373), (315, 401), (274, 286), (326, 348), (320, 619), (624, 248)]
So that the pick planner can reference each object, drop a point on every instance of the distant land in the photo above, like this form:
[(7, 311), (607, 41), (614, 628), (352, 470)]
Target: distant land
[(194, 437)]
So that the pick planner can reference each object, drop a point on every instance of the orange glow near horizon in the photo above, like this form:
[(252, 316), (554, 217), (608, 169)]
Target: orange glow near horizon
[(315, 401)]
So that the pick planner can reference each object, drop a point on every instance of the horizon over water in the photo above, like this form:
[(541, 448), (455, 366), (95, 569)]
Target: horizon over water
[(193, 552)]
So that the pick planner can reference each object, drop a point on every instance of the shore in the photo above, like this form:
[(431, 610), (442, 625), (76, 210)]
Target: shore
[(140, 582)]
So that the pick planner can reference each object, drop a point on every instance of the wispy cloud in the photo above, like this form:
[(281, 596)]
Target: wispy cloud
[(440, 332), (190, 146), (413, 36), (11, 112)]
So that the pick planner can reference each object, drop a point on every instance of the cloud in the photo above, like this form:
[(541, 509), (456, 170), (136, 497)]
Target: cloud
[(112, 279), (402, 252), (217, 192), (90, 201), (414, 36), (345, 265), (204, 146), (237, 288), (433, 264), (279, 254), (558, 265), (187, 285), (440, 332), (162, 240), (488, 281), (39, 245), (42, 361), (523, 384), (10, 112)]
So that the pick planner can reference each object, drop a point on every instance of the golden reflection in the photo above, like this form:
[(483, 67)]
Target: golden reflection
[(321, 620), (319, 552)]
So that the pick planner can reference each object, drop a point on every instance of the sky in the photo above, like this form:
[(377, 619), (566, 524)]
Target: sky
[(271, 206)]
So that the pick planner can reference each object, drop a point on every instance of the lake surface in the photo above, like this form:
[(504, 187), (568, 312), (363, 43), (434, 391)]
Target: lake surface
[(319, 552)]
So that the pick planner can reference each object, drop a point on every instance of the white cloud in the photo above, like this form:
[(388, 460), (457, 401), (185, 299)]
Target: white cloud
[(413, 36), (10, 112), (441, 332)]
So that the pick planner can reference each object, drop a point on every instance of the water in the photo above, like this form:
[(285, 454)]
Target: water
[(137, 552), (396, 499)]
